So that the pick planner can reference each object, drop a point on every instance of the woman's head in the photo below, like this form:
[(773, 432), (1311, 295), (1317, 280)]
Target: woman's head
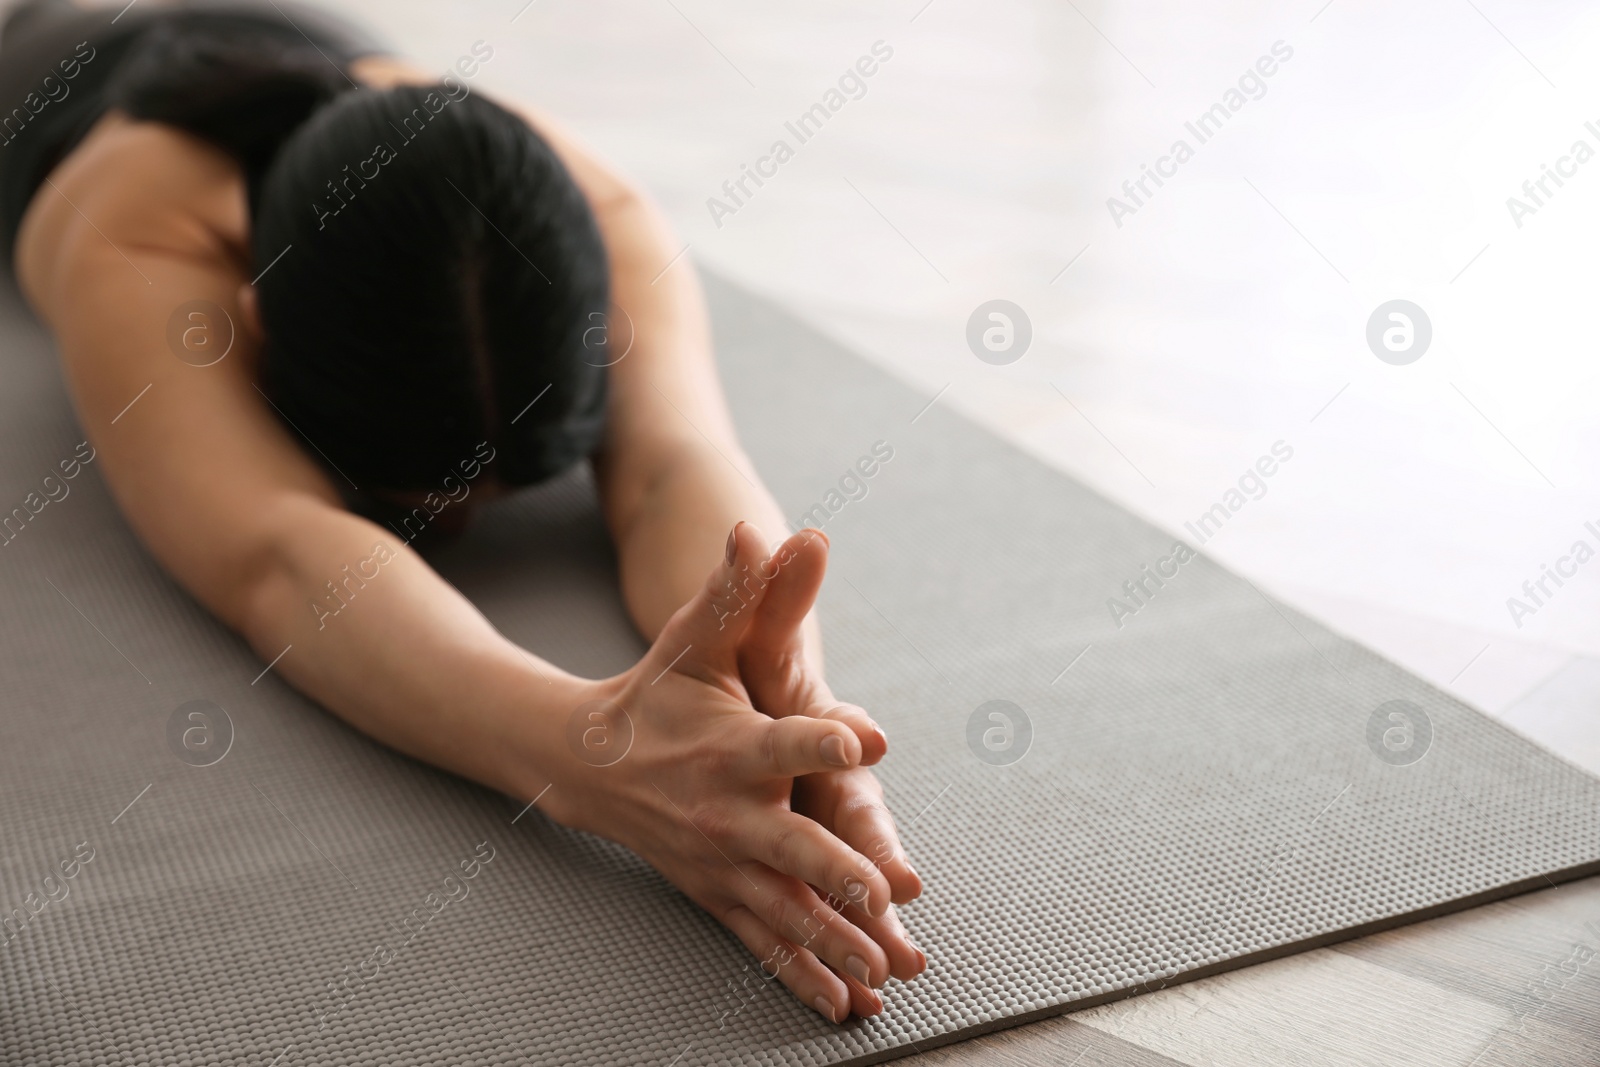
[(440, 274)]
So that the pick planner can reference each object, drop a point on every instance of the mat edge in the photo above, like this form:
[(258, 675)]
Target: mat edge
[(1377, 926)]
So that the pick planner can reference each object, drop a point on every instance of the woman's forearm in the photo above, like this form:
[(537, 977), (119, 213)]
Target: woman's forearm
[(376, 636), (679, 530), (673, 477)]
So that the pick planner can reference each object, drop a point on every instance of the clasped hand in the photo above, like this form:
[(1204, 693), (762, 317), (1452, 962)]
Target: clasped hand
[(724, 761)]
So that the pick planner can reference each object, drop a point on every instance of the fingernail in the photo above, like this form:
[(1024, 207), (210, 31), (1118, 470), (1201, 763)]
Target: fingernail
[(863, 992), (733, 543), (881, 735), (822, 1005), (833, 751), (858, 970)]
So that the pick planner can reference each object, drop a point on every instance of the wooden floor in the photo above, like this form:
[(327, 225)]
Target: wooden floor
[(1510, 984)]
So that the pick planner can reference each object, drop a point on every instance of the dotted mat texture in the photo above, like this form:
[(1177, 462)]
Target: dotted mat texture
[(1100, 802)]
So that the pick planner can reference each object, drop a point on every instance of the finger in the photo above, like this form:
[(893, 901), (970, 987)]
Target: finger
[(797, 913), (797, 745), (874, 742), (795, 845), (864, 1000), (906, 959), (863, 822), (703, 635), (801, 972), (795, 572), (851, 804), (799, 690), (804, 692)]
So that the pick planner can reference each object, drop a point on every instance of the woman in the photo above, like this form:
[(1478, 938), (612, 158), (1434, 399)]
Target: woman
[(373, 280)]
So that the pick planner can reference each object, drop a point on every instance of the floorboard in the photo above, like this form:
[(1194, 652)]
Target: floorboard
[(1510, 984)]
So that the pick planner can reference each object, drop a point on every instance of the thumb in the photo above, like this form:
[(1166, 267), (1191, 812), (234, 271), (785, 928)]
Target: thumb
[(704, 635), (796, 572), (797, 568)]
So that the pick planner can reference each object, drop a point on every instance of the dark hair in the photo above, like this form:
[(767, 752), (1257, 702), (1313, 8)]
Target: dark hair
[(431, 271), (242, 89)]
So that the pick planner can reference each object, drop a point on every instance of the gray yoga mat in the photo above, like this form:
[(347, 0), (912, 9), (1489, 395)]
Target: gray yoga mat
[(1202, 787)]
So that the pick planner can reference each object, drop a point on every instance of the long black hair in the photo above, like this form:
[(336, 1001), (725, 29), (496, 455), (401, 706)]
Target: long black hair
[(431, 270)]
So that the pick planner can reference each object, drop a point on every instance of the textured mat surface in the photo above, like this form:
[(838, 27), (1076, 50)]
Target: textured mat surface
[(1206, 780)]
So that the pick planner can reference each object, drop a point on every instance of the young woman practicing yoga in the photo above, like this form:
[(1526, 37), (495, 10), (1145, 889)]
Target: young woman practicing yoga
[(400, 280)]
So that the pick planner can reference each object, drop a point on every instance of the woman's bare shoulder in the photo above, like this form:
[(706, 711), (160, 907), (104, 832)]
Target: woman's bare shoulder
[(139, 184)]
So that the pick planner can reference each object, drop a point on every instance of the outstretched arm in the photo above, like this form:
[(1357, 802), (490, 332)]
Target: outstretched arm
[(219, 490), (672, 474)]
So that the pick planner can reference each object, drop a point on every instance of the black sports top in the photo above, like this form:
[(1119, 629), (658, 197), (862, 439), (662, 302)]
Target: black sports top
[(59, 67)]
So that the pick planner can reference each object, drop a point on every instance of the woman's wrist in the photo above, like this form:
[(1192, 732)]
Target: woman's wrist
[(553, 746), (533, 704)]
